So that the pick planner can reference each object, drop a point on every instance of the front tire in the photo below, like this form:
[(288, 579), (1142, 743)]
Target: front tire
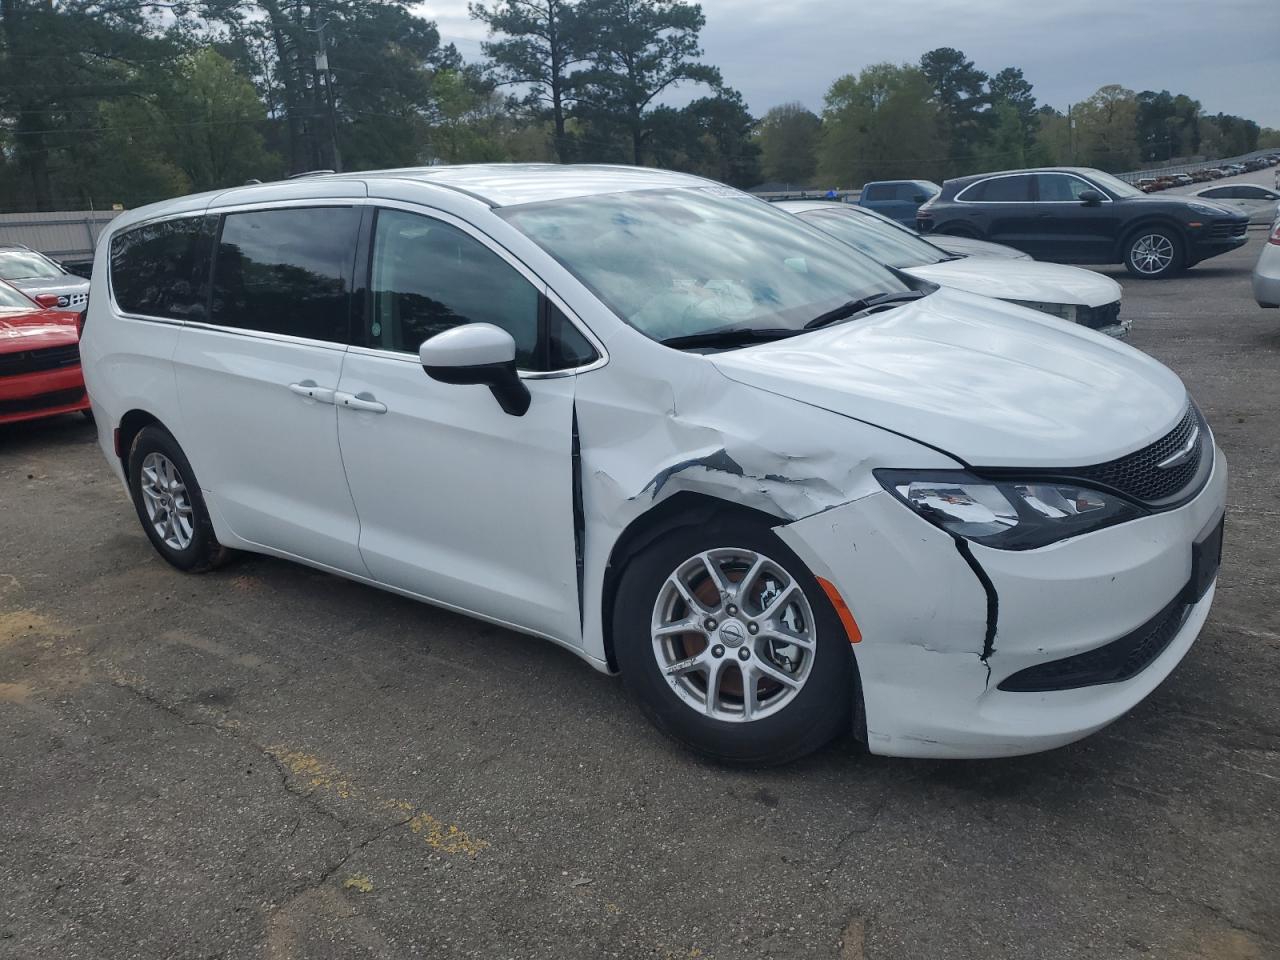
[(730, 646), (1154, 253), (170, 506)]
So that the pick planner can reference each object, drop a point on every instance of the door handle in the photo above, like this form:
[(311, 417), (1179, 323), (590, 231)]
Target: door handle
[(359, 401), (312, 391)]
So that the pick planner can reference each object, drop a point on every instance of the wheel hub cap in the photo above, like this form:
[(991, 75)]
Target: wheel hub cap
[(733, 634)]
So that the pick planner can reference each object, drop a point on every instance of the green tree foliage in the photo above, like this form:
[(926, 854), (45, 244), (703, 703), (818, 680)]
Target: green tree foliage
[(58, 64), (788, 137), (1106, 129), (1010, 88), (883, 123), (1168, 125), (959, 92), (542, 46), (640, 49)]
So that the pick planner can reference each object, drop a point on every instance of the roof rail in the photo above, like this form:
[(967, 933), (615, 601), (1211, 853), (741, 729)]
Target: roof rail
[(309, 173)]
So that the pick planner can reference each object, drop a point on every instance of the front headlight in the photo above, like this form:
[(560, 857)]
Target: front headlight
[(1006, 514), (1206, 211)]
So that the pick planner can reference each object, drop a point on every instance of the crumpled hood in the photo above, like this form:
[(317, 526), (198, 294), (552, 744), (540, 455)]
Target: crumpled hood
[(35, 329), (1008, 279), (989, 383)]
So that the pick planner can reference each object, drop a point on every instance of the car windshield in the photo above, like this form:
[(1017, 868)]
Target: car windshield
[(880, 241), (1114, 184), (10, 297), (683, 262), (25, 264)]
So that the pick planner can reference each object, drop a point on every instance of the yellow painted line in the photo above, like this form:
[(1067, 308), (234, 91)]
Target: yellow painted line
[(322, 776)]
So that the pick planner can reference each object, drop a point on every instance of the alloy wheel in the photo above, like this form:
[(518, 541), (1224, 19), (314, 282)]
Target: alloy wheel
[(733, 634), (168, 506), (1152, 254)]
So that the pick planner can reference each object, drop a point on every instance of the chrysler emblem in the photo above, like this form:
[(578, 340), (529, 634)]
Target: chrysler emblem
[(1182, 454)]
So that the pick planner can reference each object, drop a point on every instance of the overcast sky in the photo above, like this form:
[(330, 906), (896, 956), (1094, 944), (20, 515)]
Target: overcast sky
[(1224, 53)]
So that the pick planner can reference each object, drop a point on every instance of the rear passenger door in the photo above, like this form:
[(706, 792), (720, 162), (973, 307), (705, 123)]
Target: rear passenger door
[(460, 502), (1008, 208), (256, 381)]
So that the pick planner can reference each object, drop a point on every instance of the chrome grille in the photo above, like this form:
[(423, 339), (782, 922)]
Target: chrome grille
[(1140, 475)]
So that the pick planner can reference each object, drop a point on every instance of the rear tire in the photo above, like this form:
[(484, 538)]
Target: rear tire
[(749, 647), (170, 506), (1154, 253)]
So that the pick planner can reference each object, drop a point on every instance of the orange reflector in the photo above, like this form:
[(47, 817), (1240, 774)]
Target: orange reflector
[(842, 610), (1195, 223)]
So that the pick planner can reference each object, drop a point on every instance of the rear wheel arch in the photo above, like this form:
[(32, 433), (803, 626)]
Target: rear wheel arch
[(132, 424)]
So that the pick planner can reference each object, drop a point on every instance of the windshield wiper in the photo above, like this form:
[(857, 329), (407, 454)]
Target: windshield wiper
[(733, 337), (847, 310)]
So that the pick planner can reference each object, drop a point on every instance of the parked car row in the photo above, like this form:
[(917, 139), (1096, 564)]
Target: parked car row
[(1156, 183), (787, 490)]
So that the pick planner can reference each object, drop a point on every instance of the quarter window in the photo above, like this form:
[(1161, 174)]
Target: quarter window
[(428, 276), (286, 271), (162, 269)]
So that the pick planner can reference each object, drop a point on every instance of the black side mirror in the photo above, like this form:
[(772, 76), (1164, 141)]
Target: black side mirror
[(478, 353), (1090, 198)]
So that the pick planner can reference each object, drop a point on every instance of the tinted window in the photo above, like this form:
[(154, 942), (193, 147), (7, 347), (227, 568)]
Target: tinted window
[(1254, 193), (1218, 192), (878, 191), (162, 269), (286, 271), (1059, 188), (1001, 190), (429, 276)]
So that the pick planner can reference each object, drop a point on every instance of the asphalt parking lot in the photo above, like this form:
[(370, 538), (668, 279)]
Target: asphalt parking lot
[(268, 762)]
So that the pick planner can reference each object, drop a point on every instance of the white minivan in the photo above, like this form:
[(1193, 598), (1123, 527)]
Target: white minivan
[(786, 491)]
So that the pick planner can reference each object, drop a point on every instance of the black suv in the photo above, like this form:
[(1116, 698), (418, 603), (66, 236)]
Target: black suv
[(1078, 215)]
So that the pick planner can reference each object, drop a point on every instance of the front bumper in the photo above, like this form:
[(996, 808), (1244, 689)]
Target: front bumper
[(927, 688), (1217, 237), (46, 393)]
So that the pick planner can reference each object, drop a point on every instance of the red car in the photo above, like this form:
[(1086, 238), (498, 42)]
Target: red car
[(39, 359)]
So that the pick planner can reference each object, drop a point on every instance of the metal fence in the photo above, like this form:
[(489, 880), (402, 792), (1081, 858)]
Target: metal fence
[(69, 235)]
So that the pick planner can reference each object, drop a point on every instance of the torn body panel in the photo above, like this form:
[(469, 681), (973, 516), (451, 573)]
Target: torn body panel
[(646, 438)]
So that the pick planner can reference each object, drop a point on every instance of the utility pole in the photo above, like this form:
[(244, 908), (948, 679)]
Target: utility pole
[(322, 65), (1071, 147)]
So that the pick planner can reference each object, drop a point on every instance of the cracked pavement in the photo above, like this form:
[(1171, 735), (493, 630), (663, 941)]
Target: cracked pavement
[(268, 762)]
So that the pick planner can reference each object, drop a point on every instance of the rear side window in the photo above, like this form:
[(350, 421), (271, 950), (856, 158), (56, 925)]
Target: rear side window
[(1000, 190), (162, 269), (878, 191), (286, 271)]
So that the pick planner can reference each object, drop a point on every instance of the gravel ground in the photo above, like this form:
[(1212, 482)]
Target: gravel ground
[(268, 762)]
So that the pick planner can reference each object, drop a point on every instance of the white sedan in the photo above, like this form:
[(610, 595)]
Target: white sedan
[(1070, 293)]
